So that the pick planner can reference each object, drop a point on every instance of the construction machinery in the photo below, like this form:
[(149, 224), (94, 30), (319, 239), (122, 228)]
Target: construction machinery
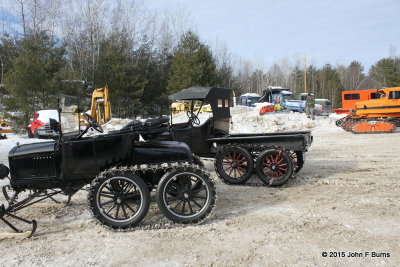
[(184, 106), (351, 98), (4, 127), (381, 115), (100, 108), (180, 107)]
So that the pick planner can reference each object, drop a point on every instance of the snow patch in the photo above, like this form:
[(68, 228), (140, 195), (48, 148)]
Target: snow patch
[(336, 117)]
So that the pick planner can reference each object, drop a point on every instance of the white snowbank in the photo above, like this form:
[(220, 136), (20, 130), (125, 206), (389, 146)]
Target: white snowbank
[(247, 120), (336, 117), (115, 124)]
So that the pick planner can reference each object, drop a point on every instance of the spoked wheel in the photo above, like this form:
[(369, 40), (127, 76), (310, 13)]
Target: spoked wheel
[(274, 167), (119, 200), (186, 195), (234, 165), (298, 159)]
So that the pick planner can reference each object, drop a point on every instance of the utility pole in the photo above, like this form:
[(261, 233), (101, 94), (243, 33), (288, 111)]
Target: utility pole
[(305, 73), (1, 80)]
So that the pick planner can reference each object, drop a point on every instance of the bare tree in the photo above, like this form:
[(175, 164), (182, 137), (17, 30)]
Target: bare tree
[(20, 7)]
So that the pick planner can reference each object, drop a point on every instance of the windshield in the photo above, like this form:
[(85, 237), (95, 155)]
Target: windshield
[(254, 99), (69, 114), (46, 115), (287, 97)]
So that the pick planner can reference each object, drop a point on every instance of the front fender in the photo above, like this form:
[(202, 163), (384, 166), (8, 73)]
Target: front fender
[(160, 151)]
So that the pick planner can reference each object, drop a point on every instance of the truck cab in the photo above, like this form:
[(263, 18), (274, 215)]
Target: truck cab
[(39, 127)]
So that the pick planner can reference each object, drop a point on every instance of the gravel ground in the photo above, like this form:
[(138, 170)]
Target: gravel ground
[(345, 199)]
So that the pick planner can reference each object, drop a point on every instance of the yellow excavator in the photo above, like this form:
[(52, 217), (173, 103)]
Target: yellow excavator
[(100, 108), (380, 115), (184, 106), (4, 127)]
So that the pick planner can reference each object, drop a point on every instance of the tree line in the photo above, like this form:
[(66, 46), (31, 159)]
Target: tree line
[(142, 56)]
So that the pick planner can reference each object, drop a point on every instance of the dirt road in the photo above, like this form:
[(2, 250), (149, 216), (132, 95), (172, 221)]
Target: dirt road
[(346, 199)]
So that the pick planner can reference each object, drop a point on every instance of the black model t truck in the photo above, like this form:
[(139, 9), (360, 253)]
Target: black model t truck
[(120, 169), (274, 156)]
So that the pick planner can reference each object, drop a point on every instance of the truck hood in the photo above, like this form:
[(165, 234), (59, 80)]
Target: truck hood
[(296, 102), (32, 149)]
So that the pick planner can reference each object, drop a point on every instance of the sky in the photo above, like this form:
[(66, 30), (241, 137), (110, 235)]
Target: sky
[(269, 31), (325, 31)]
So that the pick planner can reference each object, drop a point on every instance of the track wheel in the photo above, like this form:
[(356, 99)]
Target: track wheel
[(374, 127), (274, 167), (234, 165), (119, 200), (298, 158), (339, 122), (347, 125), (186, 195)]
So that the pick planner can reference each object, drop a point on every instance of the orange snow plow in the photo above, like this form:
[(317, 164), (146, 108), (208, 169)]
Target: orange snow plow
[(380, 115)]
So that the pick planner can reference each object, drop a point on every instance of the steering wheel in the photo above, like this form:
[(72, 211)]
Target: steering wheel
[(93, 123), (193, 119)]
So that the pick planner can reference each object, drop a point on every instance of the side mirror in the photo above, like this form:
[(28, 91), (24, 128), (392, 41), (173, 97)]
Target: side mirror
[(54, 125)]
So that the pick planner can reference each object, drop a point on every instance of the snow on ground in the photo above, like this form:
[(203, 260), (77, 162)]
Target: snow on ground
[(345, 199), (335, 116), (115, 124), (247, 120)]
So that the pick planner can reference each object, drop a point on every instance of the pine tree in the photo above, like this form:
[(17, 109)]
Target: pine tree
[(192, 65), (386, 72), (33, 81)]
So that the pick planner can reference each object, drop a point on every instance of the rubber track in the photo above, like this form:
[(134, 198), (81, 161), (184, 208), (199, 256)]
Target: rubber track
[(255, 149), (380, 132), (143, 168)]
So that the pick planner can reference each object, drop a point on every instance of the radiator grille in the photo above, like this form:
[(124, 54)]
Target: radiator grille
[(43, 166)]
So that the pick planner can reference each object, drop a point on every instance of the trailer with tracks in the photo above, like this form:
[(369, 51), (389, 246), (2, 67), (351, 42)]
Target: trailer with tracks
[(275, 157)]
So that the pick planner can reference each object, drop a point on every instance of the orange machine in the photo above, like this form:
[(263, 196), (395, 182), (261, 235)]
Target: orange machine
[(381, 115), (350, 98)]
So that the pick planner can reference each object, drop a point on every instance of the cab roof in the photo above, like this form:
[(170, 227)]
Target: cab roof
[(218, 98), (200, 93)]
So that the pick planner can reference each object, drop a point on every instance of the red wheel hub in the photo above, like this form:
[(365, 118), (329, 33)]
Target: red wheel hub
[(235, 164), (275, 166)]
